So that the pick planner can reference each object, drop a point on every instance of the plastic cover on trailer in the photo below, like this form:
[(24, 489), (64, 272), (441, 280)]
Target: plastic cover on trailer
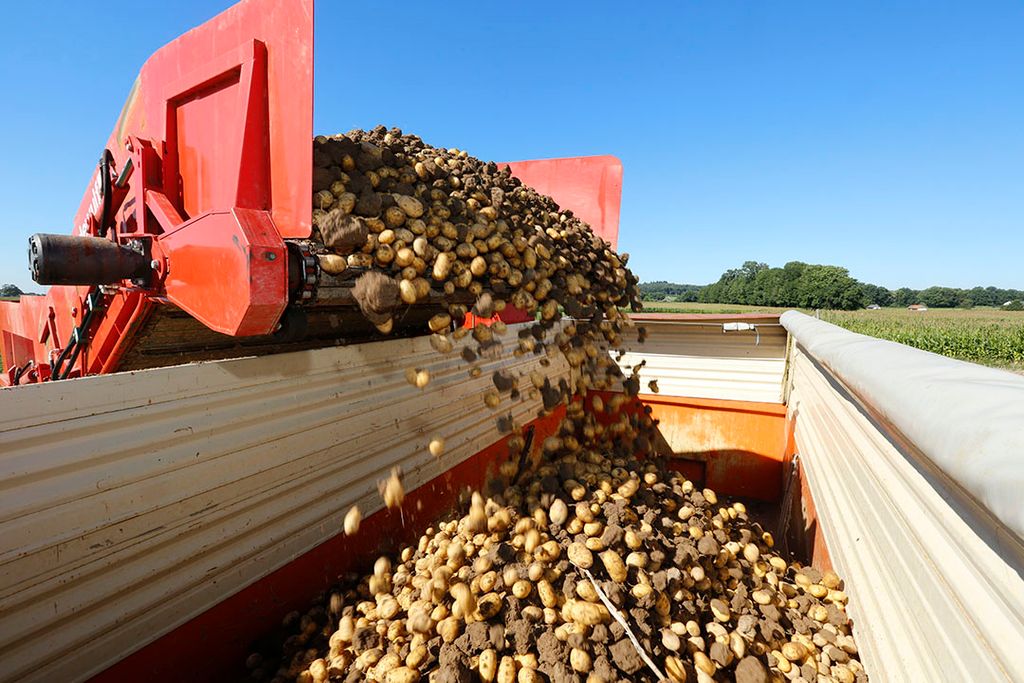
[(914, 462), (966, 418)]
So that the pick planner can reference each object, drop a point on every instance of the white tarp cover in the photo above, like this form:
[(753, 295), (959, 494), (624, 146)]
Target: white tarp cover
[(966, 418)]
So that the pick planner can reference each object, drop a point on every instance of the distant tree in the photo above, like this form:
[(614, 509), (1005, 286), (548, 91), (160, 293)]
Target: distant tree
[(980, 296), (940, 297), (829, 287), (796, 284), (750, 269), (791, 274), (768, 287), (873, 294), (807, 285), (904, 296), (668, 291), (10, 291)]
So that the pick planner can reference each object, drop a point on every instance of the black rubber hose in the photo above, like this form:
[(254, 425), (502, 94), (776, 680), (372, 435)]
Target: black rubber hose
[(74, 346), (59, 363), (19, 372), (105, 187)]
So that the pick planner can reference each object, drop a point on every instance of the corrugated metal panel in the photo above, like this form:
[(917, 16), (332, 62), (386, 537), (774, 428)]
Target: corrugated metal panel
[(130, 503), (699, 360), (935, 581)]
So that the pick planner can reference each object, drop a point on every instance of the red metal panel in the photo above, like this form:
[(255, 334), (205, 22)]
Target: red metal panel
[(286, 29), (741, 443), (804, 527), (126, 312), (35, 325), (227, 269), (590, 186), (207, 120)]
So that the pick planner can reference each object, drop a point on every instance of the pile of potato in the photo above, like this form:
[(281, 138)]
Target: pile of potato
[(405, 220), (594, 563), (596, 566), (439, 218)]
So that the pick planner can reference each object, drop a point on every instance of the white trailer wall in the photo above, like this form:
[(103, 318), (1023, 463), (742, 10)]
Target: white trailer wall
[(916, 464), (130, 503)]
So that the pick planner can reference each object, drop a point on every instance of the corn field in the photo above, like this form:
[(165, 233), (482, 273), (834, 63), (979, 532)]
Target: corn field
[(987, 336)]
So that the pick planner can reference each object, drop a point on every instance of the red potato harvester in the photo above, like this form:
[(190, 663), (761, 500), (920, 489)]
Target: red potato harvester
[(192, 239)]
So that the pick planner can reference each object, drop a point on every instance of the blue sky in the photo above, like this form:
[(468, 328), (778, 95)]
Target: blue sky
[(887, 137)]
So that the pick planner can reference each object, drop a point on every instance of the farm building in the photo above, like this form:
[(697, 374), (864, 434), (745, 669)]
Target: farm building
[(917, 307), (873, 307)]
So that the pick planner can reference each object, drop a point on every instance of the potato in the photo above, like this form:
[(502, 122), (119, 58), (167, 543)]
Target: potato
[(411, 206), (440, 322), (614, 565), (580, 556), (392, 491), (589, 613), (579, 660), (488, 665), (403, 674), (323, 199), (407, 290), (443, 266), (404, 257), (506, 670), (332, 263), (352, 520)]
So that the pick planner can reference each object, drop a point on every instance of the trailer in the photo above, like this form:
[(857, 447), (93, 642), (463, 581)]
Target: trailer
[(177, 455)]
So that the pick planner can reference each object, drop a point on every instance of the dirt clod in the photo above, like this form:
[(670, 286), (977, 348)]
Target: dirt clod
[(377, 296)]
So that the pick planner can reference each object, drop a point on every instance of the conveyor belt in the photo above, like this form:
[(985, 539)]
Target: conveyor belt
[(171, 336)]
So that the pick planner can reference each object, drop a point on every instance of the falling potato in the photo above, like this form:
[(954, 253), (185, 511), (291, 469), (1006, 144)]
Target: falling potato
[(352, 520), (392, 491)]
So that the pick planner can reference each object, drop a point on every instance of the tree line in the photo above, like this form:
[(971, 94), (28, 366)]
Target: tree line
[(661, 290), (806, 285)]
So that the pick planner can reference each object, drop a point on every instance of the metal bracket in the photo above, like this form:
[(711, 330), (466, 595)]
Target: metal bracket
[(743, 327), (306, 273)]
